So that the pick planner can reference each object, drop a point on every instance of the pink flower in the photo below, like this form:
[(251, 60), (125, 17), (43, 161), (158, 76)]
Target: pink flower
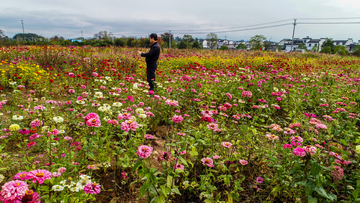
[(21, 175), (179, 166), (296, 139), (31, 197), (229, 95), (246, 94), (13, 190), (91, 167), (124, 116), (90, 116), (320, 126), (287, 146), (129, 125), (124, 176), (172, 102), (226, 144), (67, 138), (212, 126), (36, 123), (39, 175), (54, 132), (93, 122), (337, 173), (272, 137), (259, 180), (310, 149), (342, 161), (92, 188), (62, 170), (31, 144), (144, 151), (207, 161), (216, 157), (335, 155), (177, 119), (55, 174), (243, 162), (148, 136), (298, 151)]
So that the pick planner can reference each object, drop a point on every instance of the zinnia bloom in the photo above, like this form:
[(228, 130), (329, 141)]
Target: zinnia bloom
[(21, 175), (39, 175), (93, 122), (177, 119), (144, 151), (179, 166), (226, 144), (31, 197), (243, 162), (13, 190), (298, 151), (207, 161), (92, 188), (259, 180), (246, 94)]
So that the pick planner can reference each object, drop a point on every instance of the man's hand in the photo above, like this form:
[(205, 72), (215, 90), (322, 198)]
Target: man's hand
[(139, 52)]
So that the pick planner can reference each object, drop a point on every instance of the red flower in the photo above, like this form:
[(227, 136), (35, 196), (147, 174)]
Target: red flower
[(51, 80)]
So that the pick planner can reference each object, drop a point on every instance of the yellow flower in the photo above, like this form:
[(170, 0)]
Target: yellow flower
[(357, 149), (14, 127)]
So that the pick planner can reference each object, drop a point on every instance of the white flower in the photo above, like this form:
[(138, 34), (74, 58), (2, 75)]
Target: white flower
[(241, 101), (15, 91), (58, 119), (75, 189), (276, 89), (80, 102), (102, 108), (17, 117), (57, 188), (98, 95), (142, 115), (106, 164), (323, 100), (1, 114), (85, 177), (135, 86), (12, 83), (133, 92), (44, 128), (108, 78), (132, 118), (67, 183), (106, 118), (62, 131), (117, 104), (1, 178), (139, 111)]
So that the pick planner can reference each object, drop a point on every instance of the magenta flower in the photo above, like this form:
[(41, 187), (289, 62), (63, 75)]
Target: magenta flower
[(36, 123), (259, 179), (91, 167), (30, 144), (243, 162), (298, 151), (39, 175), (92, 188), (144, 151), (310, 149), (179, 166), (287, 146), (90, 116), (246, 94), (226, 144), (212, 126), (67, 138), (21, 175), (129, 125), (229, 95), (93, 122), (148, 136), (296, 139), (207, 162), (31, 197), (13, 190), (55, 174), (338, 173), (177, 119)]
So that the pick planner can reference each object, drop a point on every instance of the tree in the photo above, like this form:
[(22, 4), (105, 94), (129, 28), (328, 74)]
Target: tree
[(120, 42), (28, 37), (145, 42), (2, 35), (302, 46), (326, 50), (212, 40), (339, 49), (257, 42), (356, 50), (182, 45), (241, 46), (166, 36), (196, 45), (328, 43), (224, 48), (315, 49), (188, 39)]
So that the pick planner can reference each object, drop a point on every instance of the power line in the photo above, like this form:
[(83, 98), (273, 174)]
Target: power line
[(328, 18), (331, 23)]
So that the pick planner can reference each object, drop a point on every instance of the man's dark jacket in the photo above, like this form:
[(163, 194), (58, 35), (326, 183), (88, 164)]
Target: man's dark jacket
[(153, 55)]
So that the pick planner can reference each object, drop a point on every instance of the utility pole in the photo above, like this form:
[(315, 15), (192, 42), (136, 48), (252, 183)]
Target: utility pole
[(82, 34), (22, 22), (292, 41), (169, 39)]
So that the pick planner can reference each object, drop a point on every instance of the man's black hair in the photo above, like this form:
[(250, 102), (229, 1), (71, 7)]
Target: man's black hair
[(154, 36)]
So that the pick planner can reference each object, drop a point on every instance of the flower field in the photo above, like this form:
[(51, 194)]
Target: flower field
[(78, 124)]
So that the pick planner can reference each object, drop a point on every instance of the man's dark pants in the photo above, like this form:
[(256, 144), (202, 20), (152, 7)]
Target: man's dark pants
[(150, 69)]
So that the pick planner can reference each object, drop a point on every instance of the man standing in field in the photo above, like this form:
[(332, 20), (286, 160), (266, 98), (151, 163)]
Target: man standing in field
[(151, 60)]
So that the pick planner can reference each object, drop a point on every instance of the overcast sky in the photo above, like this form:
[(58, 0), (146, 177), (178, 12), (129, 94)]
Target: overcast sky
[(68, 18)]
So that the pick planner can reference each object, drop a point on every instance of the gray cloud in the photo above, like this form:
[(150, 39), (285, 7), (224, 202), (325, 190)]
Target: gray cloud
[(140, 17)]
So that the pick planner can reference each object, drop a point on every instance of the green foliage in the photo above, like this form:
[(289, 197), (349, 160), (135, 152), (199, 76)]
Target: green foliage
[(224, 48), (212, 40), (326, 50), (165, 37), (302, 47), (196, 45), (241, 46), (328, 43), (356, 50), (28, 37), (339, 49), (120, 42), (182, 45), (257, 42)]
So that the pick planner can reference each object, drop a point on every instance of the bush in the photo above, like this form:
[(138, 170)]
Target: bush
[(224, 48)]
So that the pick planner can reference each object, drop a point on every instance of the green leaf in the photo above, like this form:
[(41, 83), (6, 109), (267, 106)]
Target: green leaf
[(183, 161), (144, 188), (169, 181), (136, 166), (176, 191), (321, 191), (309, 188), (315, 168), (312, 199)]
